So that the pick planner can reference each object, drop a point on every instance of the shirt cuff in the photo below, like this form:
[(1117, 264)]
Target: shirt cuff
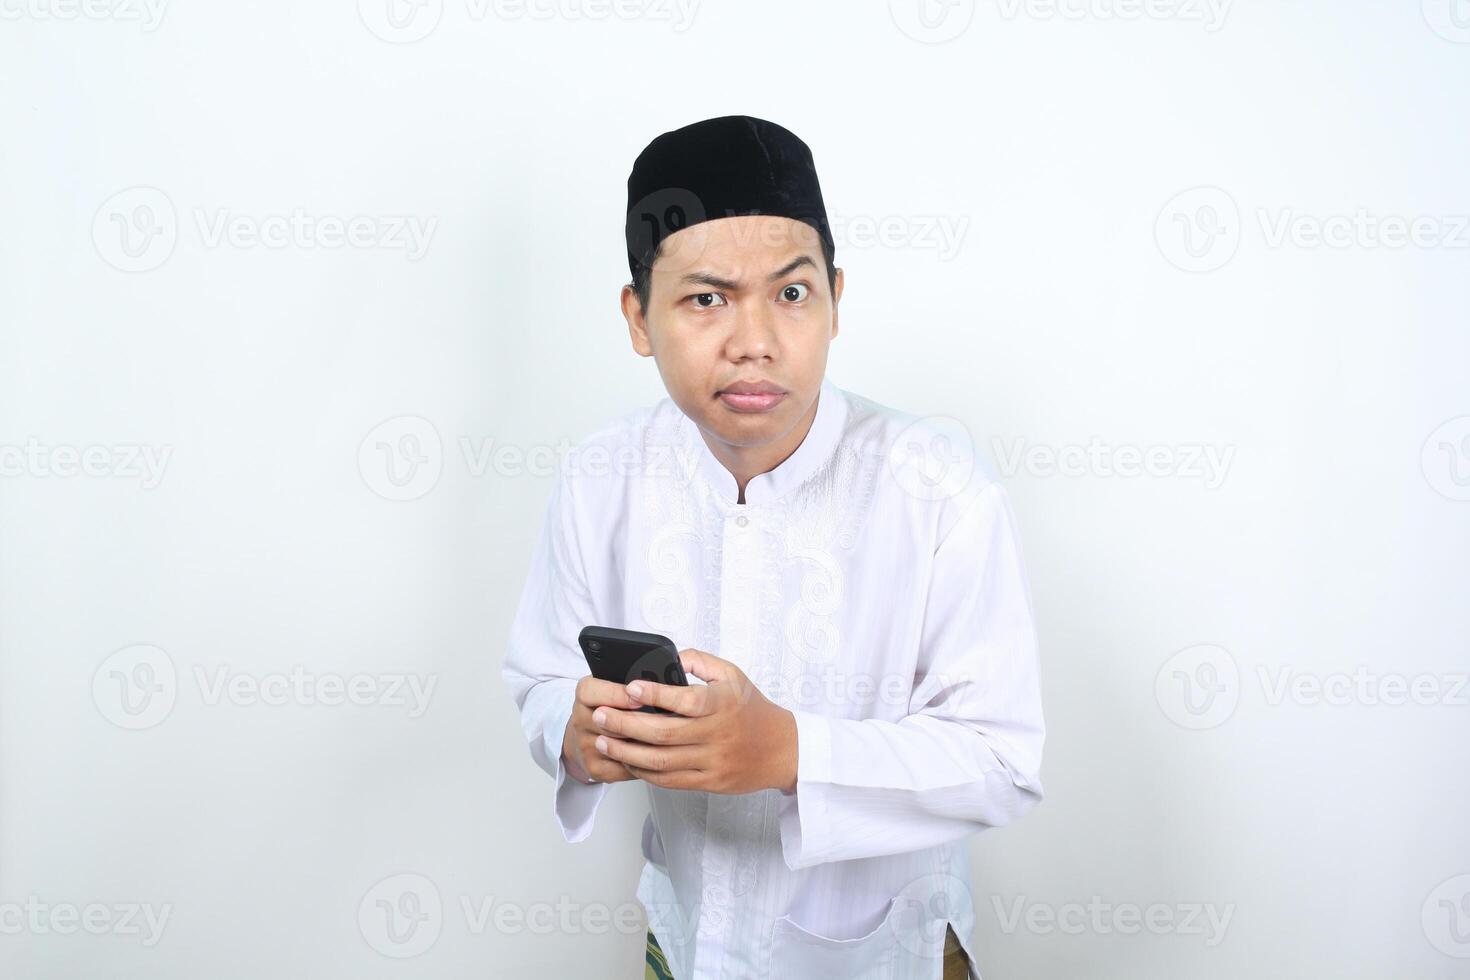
[(576, 803), (804, 823)]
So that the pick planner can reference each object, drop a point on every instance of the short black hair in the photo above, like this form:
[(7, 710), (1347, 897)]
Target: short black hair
[(643, 273)]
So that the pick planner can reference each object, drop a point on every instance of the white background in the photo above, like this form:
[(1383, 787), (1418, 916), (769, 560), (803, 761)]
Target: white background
[(1070, 312)]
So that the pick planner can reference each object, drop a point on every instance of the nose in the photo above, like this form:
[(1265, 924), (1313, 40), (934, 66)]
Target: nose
[(753, 332)]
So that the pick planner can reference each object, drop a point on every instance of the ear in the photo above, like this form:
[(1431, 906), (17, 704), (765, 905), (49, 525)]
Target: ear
[(637, 322), (836, 298)]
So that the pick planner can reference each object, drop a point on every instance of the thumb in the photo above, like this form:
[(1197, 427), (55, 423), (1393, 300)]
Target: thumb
[(706, 666)]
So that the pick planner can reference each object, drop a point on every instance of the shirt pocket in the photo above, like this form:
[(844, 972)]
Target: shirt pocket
[(799, 952)]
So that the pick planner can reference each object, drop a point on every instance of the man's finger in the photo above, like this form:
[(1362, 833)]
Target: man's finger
[(706, 666), (605, 770), (687, 701), (660, 758), (640, 726), (671, 779), (595, 692)]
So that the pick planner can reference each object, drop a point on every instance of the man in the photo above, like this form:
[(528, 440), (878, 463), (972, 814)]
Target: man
[(864, 692)]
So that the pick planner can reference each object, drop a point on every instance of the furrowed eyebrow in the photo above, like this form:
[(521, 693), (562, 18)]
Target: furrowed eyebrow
[(791, 267), (711, 280), (730, 285)]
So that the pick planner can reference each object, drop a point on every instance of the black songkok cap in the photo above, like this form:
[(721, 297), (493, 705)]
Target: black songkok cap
[(719, 168)]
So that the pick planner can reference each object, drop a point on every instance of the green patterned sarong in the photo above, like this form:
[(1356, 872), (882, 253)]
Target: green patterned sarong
[(956, 963), (655, 967)]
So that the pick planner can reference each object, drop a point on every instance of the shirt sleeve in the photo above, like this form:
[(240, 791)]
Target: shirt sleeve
[(968, 754), (544, 663)]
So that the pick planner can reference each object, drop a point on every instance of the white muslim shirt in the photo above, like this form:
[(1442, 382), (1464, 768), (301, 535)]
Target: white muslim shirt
[(872, 584)]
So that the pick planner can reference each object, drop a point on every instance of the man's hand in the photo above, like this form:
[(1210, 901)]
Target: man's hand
[(584, 763), (724, 736)]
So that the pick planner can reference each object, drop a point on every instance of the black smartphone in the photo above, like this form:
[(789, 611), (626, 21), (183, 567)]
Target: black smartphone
[(621, 656)]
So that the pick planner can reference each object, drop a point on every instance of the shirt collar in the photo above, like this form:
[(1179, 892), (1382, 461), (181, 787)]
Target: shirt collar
[(816, 449)]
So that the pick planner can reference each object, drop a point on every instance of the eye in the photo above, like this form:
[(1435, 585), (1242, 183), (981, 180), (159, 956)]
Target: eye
[(796, 292), (707, 300)]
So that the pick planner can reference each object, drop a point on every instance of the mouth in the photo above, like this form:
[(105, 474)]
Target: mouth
[(751, 396)]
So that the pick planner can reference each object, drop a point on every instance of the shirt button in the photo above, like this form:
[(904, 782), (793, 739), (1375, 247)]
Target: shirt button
[(742, 520)]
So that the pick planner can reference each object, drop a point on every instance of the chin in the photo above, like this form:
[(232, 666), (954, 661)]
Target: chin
[(751, 428)]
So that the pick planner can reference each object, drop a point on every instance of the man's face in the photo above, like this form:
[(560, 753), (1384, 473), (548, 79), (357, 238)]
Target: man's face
[(739, 300)]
